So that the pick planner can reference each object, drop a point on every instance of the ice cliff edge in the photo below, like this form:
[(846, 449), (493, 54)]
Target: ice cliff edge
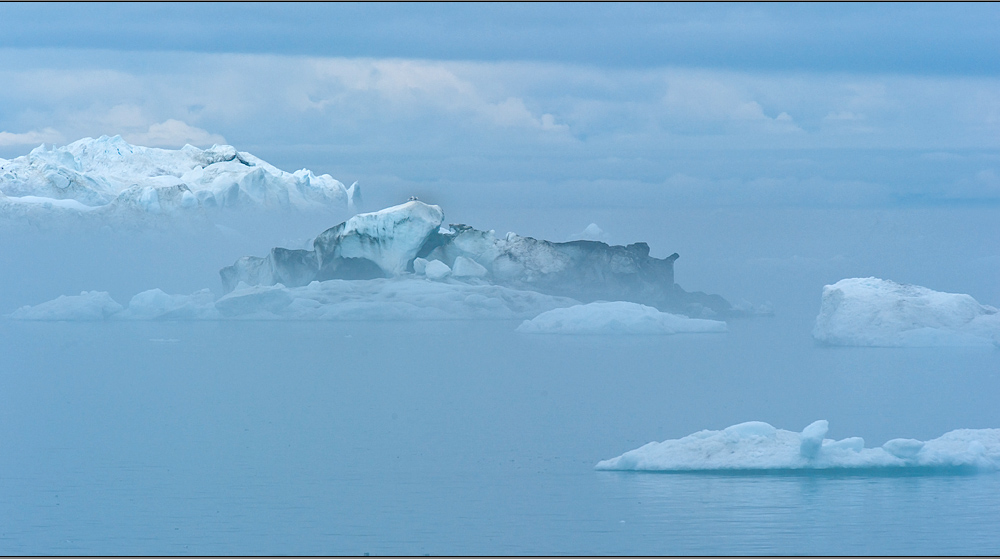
[(410, 239)]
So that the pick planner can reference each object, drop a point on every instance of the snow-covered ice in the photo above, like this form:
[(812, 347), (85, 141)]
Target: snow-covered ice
[(377, 299), (615, 317), (757, 446), (882, 313), (109, 178)]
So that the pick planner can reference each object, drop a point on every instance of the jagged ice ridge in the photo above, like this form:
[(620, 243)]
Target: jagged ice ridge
[(107, 177)]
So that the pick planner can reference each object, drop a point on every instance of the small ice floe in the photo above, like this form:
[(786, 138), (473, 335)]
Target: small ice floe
[(882, 313), (758, 446)]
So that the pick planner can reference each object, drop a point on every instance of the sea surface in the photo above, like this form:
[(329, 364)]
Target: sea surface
[(465, 438)]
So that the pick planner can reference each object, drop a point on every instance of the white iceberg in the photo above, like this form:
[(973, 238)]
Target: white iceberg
[(88, 305), (108, 177), (377, 299), (882, 313), (757, 446), (468, 268), (155, 304), (436, 270), (616, 317)]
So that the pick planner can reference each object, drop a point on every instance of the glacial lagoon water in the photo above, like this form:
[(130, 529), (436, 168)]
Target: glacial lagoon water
[(465, 438)]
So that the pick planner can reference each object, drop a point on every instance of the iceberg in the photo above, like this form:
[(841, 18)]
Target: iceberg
[(883, 313), (758, 446), (377, 299), (616, 317), (157, 305), (108, 178), (411, 239), (88, 305)]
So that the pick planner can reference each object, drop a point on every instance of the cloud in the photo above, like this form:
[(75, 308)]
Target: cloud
[(32, 138), (413, 87), (173, 133), (700, 97), (426, 122)]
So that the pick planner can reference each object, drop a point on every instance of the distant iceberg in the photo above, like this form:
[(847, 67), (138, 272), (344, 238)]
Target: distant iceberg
[(109, 179), (412, 239), (615, 317), (757, 446), (378, 299), (882, 313)]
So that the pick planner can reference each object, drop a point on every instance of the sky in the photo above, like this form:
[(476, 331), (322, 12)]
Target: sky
[(524, 105)]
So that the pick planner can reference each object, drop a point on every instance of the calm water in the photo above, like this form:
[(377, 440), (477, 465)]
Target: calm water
[(460, 437)]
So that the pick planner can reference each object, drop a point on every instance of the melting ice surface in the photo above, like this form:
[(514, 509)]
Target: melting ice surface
[(757, 446), (877, 312)]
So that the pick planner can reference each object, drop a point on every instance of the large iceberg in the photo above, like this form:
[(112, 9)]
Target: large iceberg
[(411, 238), (615, 317), (757, 446), (882, 313), (107, 178), (377, 299)]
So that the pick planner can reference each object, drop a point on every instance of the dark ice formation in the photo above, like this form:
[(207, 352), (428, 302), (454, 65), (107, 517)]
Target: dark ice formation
[(408, 238)]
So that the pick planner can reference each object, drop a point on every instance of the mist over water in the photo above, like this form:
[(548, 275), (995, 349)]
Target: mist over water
[(778, 149), (467, 437)]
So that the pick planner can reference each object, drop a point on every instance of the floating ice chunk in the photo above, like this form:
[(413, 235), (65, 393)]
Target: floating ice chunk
[(876, 312), (88, 305), (756, 446), (419, 266), (811, 439), (258, 299), (436, 270), (616, 317), (590, 233), (467, 268), (155, 304)]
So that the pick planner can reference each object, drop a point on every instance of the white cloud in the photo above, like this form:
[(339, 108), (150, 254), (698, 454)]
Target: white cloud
[(173, 133), (411, 87), (379, 106), (694, 97), (32, 138)]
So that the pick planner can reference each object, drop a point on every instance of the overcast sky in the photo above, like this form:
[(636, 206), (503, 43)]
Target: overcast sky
[(857, 105)]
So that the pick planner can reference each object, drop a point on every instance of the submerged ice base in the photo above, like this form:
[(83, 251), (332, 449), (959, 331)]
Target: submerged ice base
[(758, 446), (615, 317), (378, 299)]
